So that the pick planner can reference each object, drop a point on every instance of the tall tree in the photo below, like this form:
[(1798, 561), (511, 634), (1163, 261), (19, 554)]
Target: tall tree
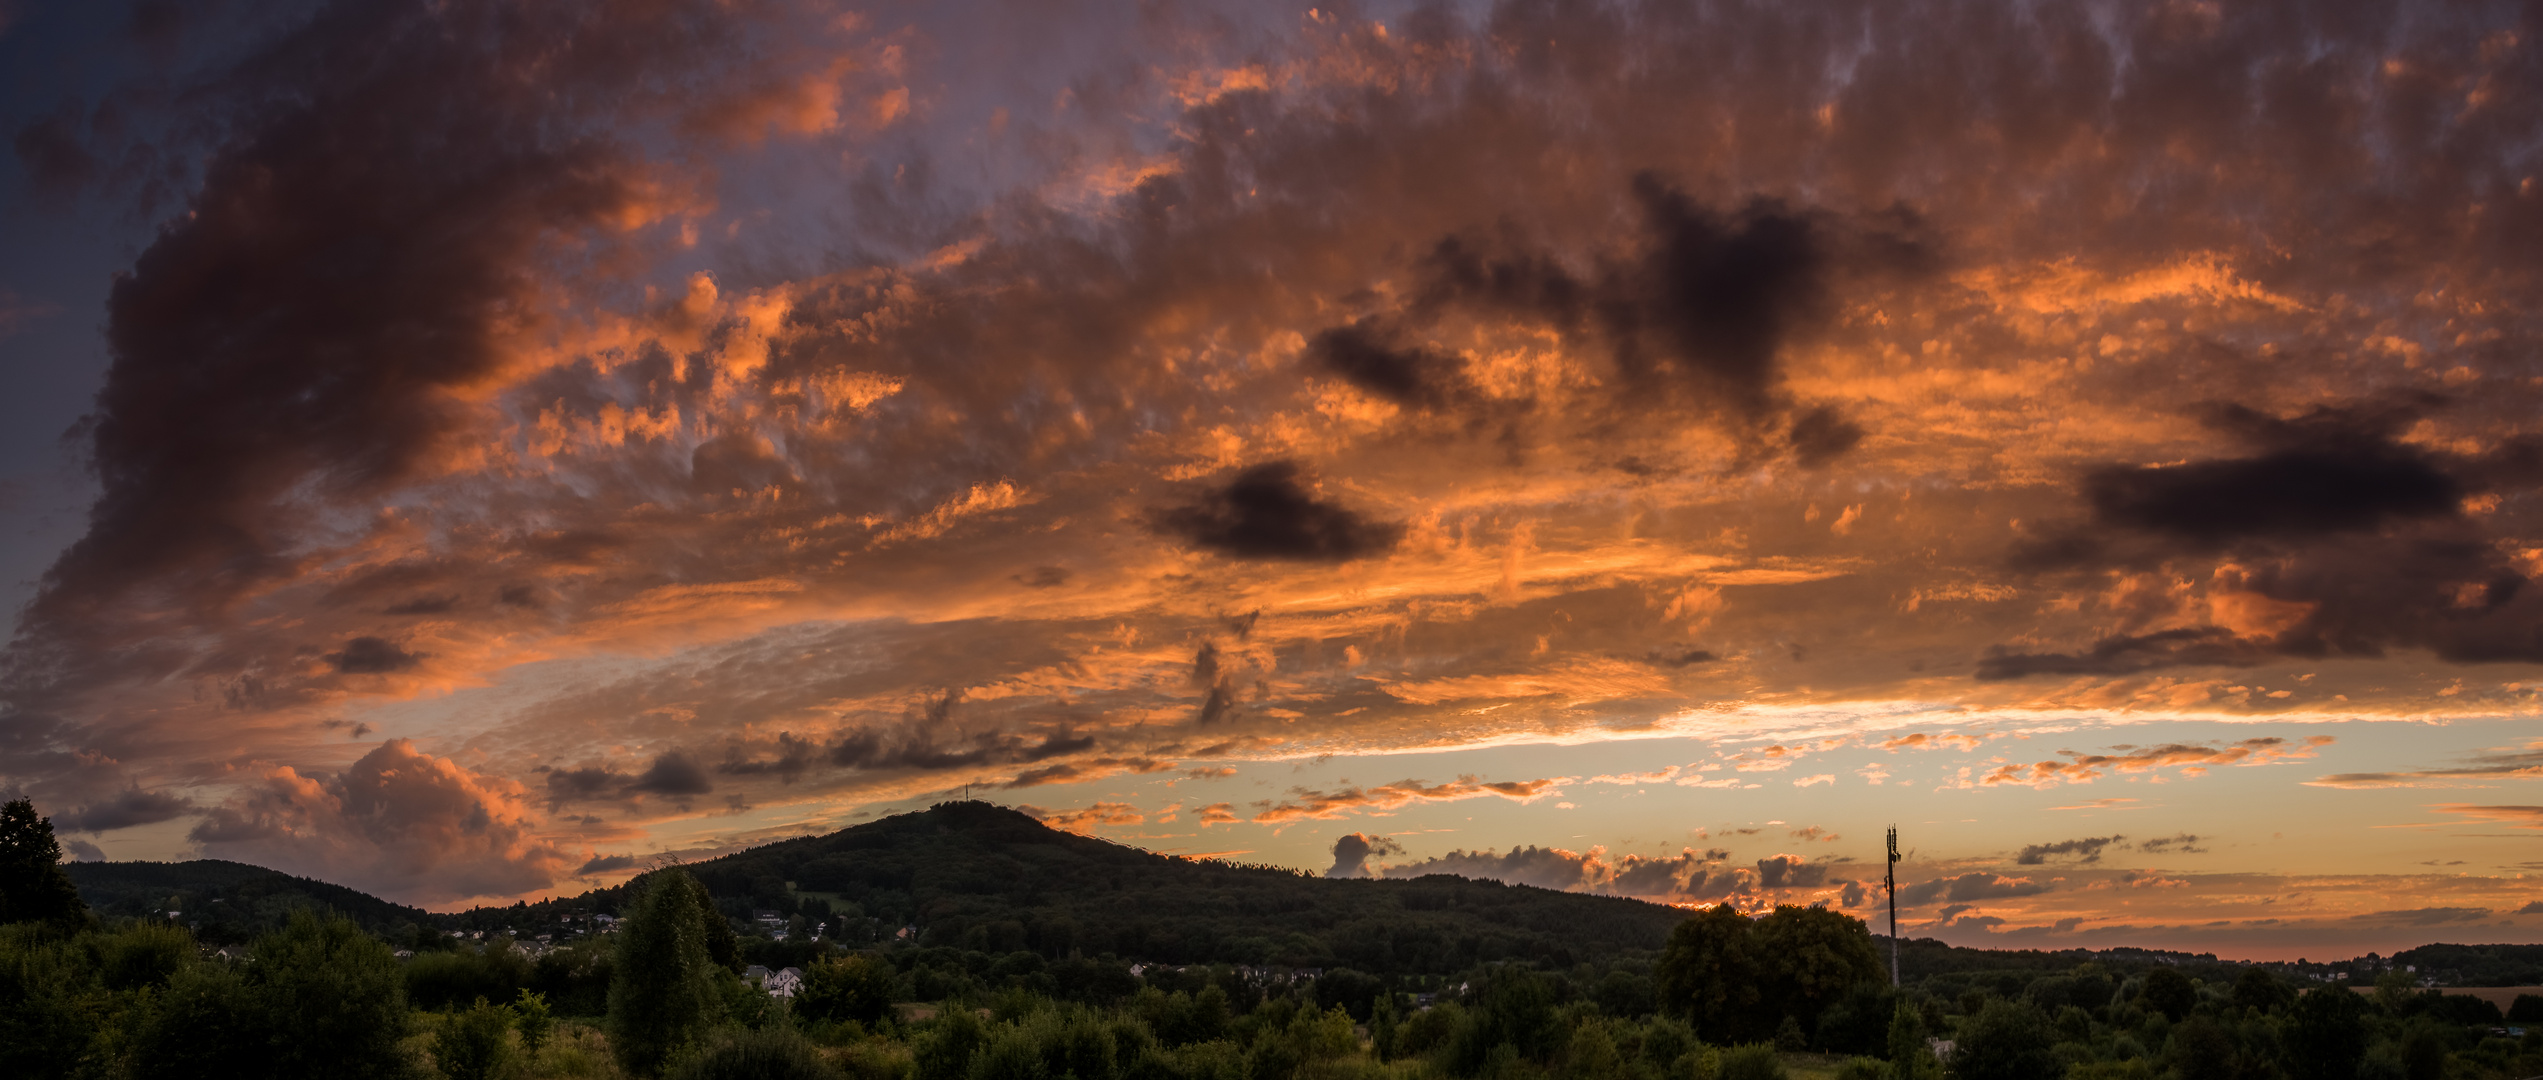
[(33, 887), (663, 991)]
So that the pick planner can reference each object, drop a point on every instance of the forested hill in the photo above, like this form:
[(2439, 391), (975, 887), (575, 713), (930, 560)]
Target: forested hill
[(976, 876), (226, 902)]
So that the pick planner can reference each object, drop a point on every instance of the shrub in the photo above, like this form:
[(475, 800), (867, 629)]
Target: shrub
[(1864, 1068), (531, 1015), (770, 1053), (857, 988), (476, 1044), (1752, 1061)]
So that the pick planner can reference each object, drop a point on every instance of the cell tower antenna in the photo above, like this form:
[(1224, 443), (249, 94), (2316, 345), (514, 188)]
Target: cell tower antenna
[(1890, 875)]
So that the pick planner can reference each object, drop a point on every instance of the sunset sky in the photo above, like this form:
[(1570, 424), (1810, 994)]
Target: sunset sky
[(470, 450)]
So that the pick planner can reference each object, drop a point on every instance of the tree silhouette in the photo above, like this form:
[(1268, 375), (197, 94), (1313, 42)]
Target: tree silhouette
[(663, 993), (32, 885)]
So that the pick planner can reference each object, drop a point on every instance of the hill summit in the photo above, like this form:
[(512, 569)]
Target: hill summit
[(986, 878)]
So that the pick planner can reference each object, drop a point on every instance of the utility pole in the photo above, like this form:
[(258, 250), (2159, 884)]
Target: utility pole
[(1890, 873)]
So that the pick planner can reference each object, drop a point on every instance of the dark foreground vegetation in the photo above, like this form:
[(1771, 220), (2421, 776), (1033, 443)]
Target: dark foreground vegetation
[(676, 988)]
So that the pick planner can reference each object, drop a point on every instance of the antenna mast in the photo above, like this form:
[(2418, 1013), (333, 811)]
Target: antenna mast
[(1890, 874)]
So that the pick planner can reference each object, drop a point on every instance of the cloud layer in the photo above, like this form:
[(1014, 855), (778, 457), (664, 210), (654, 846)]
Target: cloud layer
[(610, 420)]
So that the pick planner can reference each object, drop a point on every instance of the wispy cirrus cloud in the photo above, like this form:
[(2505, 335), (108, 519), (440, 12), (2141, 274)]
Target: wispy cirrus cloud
[(2483, 769), (1303, 804), (2192, 760)]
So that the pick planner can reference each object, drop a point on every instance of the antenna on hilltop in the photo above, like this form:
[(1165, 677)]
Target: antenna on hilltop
[(1890, 875)]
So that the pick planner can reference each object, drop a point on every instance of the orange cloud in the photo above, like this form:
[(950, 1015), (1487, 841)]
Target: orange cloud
[(2190, 759), (1329, 805), (1087, 818), (2484, 768), (397, 821)]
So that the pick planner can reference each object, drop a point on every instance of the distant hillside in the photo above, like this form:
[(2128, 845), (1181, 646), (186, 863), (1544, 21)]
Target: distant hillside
[(2476, 965), (985, 878), (226, 901)]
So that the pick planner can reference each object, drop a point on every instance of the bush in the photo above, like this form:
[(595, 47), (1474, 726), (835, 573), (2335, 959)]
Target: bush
[(770, 1053), (1864, 1068), (48, 998), (476, 1044), (203, 1025), (857, 988), (531, 1015), (945, 1051), (1753, 1061), (333, 996)]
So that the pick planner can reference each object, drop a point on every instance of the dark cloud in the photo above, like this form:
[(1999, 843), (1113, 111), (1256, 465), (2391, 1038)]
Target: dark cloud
[(2087, 849), (794, 755), (589, 782), (1678, 659), (2534, 908), (1968, 888), (2362, 535), (1545, 868), (128, 808), (1822, 435), (2183, 844), (1353, 850), (1410, 376), (2127, 654), (2428, 916), (1043, 577), (2492, 765), (1694, 314), (423, 605), (929, 738), (1717, 295), (2326, 478), (1790, 872), (602, 864), (373, 656), (79, 850), (673, 772), (1265, 513)]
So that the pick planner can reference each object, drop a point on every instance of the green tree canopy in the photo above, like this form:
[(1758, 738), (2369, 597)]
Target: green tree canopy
[(2326, 1034), (2005, 1040), (2169, 992), (1710, 974), (1738, 978)]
